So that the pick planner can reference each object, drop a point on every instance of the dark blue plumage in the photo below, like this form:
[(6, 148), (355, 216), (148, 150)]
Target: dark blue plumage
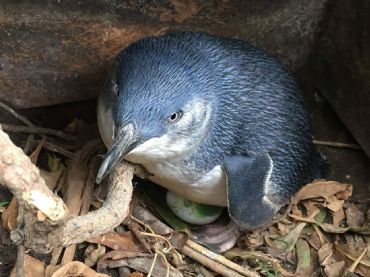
[(247, 110)]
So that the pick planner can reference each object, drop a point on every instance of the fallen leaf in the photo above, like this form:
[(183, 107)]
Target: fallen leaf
[(32, 267), (257, 255), (338, 217), (351, 249), (50, 269), (142, 263), (305, 263), (51, 178), (9, 216), (287, 243), (77, 269), (334, 204), (254, 239), (335, 269), (325, 254), (93, 253), (136, 274), (323, 189), (124, 241), (178, 239), (355, 218), (35, 154)]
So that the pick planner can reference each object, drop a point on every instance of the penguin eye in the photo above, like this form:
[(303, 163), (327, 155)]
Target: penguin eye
[(115, 89), (175, 117)]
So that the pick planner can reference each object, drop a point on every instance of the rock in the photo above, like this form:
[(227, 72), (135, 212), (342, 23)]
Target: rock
[(59, 51)]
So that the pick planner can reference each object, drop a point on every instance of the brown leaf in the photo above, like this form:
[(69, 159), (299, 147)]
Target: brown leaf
[(136, 274), (32, 267), (178, 239), (141, 263), (124, 241), (50, 269), (335, 269), (325, 254), (77, 269), (254, 239), (287, 243), (35, 154), (351, 249), (93, 253), (51, 178), (305, 263), (9, 216), (355, 218), (323, 189), (334, 204), (338, 217)]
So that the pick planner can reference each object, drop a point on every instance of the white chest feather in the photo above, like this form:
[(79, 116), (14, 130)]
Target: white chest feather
[(206, 189)]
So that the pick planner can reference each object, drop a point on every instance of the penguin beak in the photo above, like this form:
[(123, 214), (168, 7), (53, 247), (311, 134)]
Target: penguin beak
[(125, 141)]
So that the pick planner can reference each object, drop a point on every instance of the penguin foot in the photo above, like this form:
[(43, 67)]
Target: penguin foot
[(219, 237)]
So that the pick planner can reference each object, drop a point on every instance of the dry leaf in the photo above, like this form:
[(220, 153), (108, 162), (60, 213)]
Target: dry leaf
[(51, 178), (77, 269), (351, 249), (178, 239), (50, 269), (335, 269), (325, 254), (287, 243), (9, 216), (305, 263), (323, 189), (93, 253), (310, 206), (32, 267), (254, 239), (136, 274), (338, 217), (141, 263), (355, 218), (334, 204), (257, 255), (124, 241)]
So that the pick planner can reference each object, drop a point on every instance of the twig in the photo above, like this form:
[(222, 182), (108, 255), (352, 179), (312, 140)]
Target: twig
[(109, 216), (23, 178), (16, 115), (152, 266), (37, 130), (358, 260), (337, 144), (58, 149), (202, 255), (219, 263), (19, 267), (80, 187)]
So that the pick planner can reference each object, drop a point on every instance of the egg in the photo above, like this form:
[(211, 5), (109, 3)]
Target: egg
[(191, 212)]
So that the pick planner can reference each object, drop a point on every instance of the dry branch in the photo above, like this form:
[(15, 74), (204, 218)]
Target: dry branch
[(38, 130), (23, 179), (202, 255), (57, 229), (95, 223)]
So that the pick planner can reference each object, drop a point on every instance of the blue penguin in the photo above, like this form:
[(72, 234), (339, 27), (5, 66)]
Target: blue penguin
[(216, 120)]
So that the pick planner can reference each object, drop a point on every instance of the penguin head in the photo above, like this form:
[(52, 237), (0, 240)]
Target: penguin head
[(156, 105)]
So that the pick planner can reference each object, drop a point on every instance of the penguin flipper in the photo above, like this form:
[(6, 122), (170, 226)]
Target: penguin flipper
[(251, 203)]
